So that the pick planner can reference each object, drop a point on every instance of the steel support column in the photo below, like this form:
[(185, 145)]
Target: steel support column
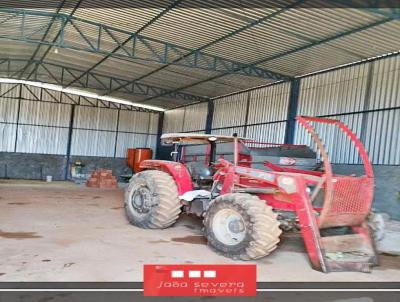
[(69, 142), (246, 121), (292, 111), (116, 133), (159, 133), (210, 115), (367, 100), (18, 112)]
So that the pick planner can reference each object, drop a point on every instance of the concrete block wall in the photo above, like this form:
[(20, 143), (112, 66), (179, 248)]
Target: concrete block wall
[(31, 166), (387, 186), (38, 166), (117, 165)]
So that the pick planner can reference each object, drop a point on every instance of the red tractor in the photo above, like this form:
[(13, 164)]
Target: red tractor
[(246, 208)]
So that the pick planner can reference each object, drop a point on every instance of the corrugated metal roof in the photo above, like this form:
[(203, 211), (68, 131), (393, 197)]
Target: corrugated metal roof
[(301, 40)]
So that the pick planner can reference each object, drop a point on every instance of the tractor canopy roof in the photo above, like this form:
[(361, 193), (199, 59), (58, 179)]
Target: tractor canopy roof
[(195, 138)]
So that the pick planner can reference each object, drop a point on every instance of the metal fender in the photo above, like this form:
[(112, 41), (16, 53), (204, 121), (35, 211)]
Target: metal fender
[(177, 170)]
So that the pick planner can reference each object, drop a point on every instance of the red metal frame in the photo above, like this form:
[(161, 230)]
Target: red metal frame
[(329, 216), (347, 200), (304, 121), (343, 204), (268, 145), (291, 170)]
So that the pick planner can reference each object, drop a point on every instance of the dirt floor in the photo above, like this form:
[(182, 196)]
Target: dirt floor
[(64, 232)]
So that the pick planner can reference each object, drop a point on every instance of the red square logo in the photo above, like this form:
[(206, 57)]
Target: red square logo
[(200, 280)]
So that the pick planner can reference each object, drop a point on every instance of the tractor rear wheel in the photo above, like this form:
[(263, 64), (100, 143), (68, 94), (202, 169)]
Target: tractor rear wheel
[(241, 226), (151, 200)]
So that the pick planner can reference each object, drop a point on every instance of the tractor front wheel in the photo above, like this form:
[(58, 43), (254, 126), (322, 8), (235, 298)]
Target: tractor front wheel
[(151, 200), (241, 226)]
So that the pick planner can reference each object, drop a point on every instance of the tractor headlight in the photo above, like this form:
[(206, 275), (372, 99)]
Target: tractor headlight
[(287, 183)]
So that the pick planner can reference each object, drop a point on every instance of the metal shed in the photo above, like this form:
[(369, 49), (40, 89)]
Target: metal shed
[(84, 82)]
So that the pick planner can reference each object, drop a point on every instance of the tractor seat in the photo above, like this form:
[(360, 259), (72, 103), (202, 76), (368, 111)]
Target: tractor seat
[(199, 171)]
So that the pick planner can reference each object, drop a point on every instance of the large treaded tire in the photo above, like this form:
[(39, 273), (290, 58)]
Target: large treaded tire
[(165, 207), (262, 227)]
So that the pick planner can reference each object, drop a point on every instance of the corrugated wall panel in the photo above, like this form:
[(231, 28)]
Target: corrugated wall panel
[(369, 86), (10, 90), (230, 110), (40, 113), (173, 120), (199, 131), (382, 137), (131, 121), (8, 110), (154, 123), (7, 137), (50, 95), (93, 143), (33, 93), (385, 86), (188, 119), (269, 104), (152, 143), (229, 131), (43, 140), (266, 105), (70, 98), (195, 117), (129, 140), (34, 138), (337, 144), (334, 92), (342, 149), (95, 118), (271, 133)]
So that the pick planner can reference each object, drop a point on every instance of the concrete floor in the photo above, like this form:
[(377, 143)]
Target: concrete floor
[(65, 232)]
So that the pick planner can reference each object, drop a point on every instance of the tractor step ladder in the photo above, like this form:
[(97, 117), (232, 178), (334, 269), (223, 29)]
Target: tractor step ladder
[(347, 203)]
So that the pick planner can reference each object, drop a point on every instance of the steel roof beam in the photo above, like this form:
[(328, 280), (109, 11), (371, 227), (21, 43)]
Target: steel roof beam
[(122, 45), (139, 47), (231, 34), (393, 13), (43, 38), (36, 95), (307, 46), (386, 8), (61, 75), (237, 31), (45, 35)]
